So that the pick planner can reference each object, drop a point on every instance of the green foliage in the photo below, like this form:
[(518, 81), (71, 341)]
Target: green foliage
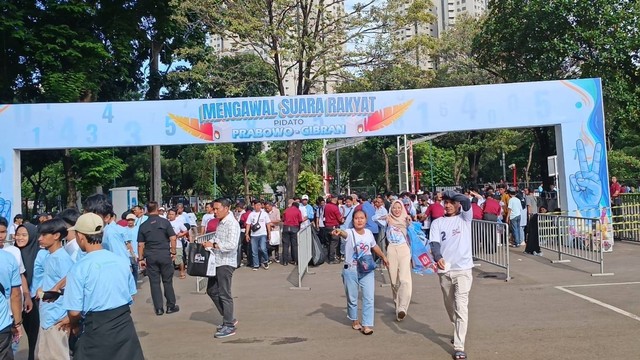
[(623, 166), (96, 168), (431, 159), (310, 183)]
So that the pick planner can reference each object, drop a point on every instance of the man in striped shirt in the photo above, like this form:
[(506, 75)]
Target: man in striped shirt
[(225, 248)]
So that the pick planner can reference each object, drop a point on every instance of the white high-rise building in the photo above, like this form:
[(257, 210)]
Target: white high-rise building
[(445, 12), (325, 83)]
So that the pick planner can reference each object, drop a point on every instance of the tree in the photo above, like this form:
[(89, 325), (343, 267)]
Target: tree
[(565, 39), (306, 39)]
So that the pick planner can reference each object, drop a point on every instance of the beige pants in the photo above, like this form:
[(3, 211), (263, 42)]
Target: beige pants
[(456, 285), (400, 273), (53, 344)]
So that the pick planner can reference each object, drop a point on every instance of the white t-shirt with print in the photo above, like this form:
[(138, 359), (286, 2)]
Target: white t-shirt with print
[(363, 243), (178, 227), (259, 217), (454, 235), (395, 236)]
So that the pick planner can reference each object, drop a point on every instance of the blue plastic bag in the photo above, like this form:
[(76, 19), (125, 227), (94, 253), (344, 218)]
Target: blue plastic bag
[(421, 258)]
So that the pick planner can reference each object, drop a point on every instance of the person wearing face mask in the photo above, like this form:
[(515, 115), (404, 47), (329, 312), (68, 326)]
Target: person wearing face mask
[(450, 240)]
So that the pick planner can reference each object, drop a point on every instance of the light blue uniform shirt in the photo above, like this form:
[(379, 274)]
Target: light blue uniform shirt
[(100, 281), (131, 234), (348, 217), (370, 210), (9, 278), (113, 239), (38, 271), (56, 266)]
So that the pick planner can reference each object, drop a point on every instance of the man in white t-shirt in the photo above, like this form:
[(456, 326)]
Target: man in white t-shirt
[(450, 239), (514, 213), (206, 217), (181, 232), (257, 229), (17, 221)]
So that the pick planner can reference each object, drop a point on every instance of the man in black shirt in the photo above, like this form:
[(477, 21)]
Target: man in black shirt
[(157, 250)]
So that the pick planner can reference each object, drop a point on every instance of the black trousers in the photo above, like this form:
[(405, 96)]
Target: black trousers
[(332, 243), (6, 353), (31, 324), (109, 335), (161, 268), (219, 290), (289, 245)]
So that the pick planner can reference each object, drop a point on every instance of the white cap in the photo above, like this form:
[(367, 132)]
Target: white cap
[(305, 197)]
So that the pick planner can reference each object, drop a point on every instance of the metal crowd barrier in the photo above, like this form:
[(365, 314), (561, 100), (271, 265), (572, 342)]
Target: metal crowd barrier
[(573, 236), (305, 242), (201, 282), (626, 218), (490, 243)]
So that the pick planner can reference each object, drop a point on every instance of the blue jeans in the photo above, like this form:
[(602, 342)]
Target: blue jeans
[(514, 228), (259, 250), (352, 285)]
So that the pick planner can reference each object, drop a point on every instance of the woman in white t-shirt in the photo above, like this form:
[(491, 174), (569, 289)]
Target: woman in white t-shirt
[(359, 242), (181, 232)]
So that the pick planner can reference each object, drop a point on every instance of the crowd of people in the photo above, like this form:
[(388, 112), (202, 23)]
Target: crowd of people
[(50, 280)]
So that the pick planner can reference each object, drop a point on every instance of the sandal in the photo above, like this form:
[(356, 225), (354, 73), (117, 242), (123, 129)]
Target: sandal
[(367, 331), (356, 327), (460, 355)]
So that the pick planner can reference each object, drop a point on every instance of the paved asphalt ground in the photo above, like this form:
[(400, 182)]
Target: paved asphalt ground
[(528, 317)]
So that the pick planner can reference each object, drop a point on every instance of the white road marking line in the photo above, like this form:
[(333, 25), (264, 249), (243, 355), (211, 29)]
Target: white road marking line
[(603, 304), (603, 284)]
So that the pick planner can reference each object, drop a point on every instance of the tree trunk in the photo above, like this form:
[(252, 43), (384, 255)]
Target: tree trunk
[(70, 179), (474, 166), (245, 178), (387, 177), (294, 153), (527, 177), (542, 136)]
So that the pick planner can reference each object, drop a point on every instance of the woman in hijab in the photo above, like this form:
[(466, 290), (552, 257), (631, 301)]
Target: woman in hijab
[(399, 255), (533, 242), (26, 239)]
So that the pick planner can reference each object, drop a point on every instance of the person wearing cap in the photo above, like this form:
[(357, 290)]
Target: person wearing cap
[(308, 209), (131, 237), (161, 212), (97, 298), (450, 241), (113, 238), (156, 252)]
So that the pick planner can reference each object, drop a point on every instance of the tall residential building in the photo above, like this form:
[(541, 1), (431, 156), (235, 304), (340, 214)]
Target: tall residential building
[(226, 46), (445, 12)]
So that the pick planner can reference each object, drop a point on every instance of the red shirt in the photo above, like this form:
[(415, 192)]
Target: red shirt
[(435, 210), (332, 215), (492, 206), (477, 211), (292, 217), (615, 187), (212, 225)]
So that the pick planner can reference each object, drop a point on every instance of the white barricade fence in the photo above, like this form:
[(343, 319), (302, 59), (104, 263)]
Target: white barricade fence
[(305, 244), (573, 236), (490, 243), (201, 282)]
